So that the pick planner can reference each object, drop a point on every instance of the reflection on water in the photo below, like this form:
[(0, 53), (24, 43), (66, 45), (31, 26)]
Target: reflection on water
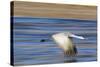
[(30, 33), (70, 61)]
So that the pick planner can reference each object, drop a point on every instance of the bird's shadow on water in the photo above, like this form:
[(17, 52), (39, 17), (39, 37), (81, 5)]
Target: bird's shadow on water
[(70, 61)]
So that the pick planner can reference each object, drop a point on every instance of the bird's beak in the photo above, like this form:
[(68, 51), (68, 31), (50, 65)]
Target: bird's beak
[(75, 36)]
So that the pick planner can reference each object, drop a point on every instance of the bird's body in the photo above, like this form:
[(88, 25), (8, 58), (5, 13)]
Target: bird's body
[(64, 41)]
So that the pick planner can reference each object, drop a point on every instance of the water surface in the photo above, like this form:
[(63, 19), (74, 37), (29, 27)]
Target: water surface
[(29, 31)]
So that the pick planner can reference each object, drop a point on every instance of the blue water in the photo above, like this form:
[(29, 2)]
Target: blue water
[(28, 32)]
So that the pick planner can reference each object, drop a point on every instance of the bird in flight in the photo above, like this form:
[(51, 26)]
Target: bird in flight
[(65, 42)]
